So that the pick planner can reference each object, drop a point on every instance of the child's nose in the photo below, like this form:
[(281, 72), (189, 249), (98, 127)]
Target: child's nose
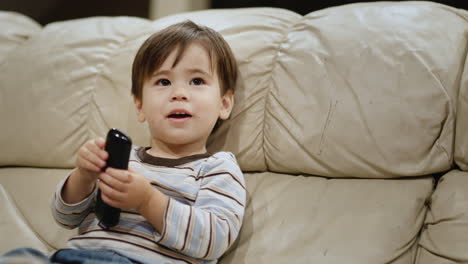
[(180, 93)]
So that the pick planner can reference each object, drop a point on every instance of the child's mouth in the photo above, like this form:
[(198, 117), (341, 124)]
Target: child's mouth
[(179, 116)]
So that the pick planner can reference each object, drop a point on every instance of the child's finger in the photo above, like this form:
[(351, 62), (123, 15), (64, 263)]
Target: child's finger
[(92, 157), (110, 193), (120, 175), (97, 150), (85, 164), (112, 182), (100, 142), (108, 200)]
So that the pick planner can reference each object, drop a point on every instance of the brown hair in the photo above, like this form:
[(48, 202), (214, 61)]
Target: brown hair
[(154, 51)]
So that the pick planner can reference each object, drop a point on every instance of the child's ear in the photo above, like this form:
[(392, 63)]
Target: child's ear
[(139, 106), (227, 102)]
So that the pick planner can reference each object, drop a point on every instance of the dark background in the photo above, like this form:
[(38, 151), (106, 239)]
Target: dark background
[(304, 7), (46, 11)]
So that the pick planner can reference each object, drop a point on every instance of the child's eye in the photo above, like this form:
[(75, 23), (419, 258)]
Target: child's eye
[(197, 81), (163, 82)]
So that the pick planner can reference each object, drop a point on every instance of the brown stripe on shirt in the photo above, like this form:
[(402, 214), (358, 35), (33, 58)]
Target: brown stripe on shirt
[(158, 161), (221, 173), (187, 230), (159, 250), (211, 236), (218, 191), (123, 231), (185, 195), (166, 213)]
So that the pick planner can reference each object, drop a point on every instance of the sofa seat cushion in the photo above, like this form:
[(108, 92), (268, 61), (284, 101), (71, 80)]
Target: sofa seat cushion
[(31, 191), (14, 227), (319, 220), (305, 218), (445, 230)]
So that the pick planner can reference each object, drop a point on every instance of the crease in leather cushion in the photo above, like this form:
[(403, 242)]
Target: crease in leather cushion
[(443, 239), (461, 135), (319, 220), (32, 190)]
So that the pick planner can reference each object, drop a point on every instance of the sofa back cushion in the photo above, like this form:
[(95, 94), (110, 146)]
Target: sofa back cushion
[(64, 86), (363, 90), (366, 90)]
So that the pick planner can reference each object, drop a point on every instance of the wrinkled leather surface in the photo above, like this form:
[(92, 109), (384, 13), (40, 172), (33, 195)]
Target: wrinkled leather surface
[(444, 236), (314, 218), (16, 29), (14, 228), (329, 92), (297, 219), (341, 118), (461, 134), (31, 191)]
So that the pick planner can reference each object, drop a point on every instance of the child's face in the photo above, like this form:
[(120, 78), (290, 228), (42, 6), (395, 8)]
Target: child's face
[(182, 104)]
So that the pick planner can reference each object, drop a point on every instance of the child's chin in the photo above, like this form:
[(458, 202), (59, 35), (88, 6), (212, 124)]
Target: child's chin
[(179, 137)]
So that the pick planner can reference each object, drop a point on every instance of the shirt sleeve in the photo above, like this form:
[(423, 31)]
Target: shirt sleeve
[(70, 215), (209, 227)]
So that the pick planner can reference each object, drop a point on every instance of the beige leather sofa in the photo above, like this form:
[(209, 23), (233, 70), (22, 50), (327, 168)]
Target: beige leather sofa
[(351, 124)]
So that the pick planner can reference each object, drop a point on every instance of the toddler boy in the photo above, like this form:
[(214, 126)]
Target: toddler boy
[(179, 203)]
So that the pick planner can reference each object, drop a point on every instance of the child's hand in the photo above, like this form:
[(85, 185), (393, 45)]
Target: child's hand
[(124, 189), (91, 159)]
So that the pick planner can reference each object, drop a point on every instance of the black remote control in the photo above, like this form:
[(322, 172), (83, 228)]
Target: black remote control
[(118, 145)]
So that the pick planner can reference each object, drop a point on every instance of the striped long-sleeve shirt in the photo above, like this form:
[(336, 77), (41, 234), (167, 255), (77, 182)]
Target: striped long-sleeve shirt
[(207, 197)]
